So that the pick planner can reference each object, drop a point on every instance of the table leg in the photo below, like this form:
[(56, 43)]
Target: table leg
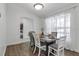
[(46, 49)]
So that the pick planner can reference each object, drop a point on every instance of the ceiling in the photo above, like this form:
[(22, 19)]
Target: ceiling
[(47, 10)]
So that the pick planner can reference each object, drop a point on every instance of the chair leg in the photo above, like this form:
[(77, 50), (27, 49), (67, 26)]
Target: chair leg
[(34, 50), (63, 52), (58, 53), (48, 51), (39, 52)]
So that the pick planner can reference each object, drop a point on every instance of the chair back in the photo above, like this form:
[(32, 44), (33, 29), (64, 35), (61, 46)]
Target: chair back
[(32, 42), (37, 39), (54, 35), (60, 42)]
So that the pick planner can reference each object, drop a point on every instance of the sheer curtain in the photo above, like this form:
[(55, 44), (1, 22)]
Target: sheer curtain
[(48, 25), (61, 24)]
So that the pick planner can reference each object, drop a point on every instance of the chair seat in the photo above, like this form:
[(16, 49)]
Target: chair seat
[(55, 46), (42, 47)]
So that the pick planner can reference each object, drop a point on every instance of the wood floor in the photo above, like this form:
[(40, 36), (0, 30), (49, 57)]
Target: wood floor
[(70, 53), (24, 50), (18, 50)]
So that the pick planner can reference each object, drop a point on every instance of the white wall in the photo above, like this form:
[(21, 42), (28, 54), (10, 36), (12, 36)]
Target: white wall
[(27, 26), (14, 14), (2, 29), (77, 28)]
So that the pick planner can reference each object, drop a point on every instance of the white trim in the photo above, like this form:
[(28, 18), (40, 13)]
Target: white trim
[(4, 51), (18, 42), (3, 48), (75, 50)]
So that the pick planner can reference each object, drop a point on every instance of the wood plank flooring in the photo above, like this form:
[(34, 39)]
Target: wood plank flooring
[(70, 53), (24, 50), (18, 50)]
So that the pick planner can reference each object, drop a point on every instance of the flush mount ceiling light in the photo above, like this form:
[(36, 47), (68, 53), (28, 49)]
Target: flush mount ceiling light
[(38, 6)]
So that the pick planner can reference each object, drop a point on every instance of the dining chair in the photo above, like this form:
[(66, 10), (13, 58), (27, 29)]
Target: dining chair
[(38, 44), (57, 49), (53, 35), (32, 42)]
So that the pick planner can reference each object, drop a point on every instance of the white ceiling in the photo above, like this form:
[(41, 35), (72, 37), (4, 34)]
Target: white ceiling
[(48, 8)]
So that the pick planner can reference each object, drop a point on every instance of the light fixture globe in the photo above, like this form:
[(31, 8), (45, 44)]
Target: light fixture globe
[(38, 6)]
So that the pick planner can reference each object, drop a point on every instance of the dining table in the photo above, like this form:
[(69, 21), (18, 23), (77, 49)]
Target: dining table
[(47, 42)]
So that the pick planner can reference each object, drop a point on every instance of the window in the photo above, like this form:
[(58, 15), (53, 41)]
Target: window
[(63, 25), (59, 23)]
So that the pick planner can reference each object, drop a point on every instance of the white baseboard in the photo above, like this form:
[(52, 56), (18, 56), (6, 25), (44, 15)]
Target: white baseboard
[(75, 50), (3, 50), (18, 42)]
